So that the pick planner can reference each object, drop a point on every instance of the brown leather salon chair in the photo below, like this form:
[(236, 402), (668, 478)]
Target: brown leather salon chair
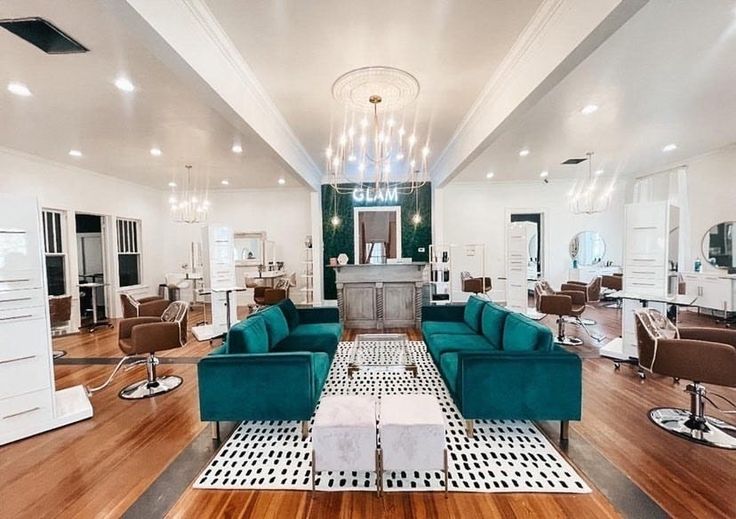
[(145, 336), (564, 304), (702, 355), (591, 290), (152, 306), (474, 285), (612, 283), (267, 296)]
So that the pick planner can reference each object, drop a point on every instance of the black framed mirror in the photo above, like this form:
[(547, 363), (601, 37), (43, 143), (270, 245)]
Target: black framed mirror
[(718, 246)]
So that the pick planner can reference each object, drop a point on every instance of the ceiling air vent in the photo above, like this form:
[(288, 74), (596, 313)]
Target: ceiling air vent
[(44, 35), (574, 161)]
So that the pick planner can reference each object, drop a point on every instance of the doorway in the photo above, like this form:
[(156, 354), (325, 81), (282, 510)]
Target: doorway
[(377, 234), (536, 243), (91, 266)]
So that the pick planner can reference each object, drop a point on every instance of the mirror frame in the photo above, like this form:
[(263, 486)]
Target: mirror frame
[(600, 258), (261, 236), (705, 254)]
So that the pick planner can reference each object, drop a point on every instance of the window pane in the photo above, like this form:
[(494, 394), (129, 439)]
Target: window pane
[(135, 236), (57, 231), (55, 275), (48, 232), (129, 269)]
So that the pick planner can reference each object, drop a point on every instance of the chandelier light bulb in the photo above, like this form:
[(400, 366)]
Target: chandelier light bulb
[(425, 151), (364, 123), (172, 200), (412, 139), (363, 140), (336, 161), (351, 132), (343, 139), (172, 184), (400, 156), (352, 158), (402, 131), (413, 163), (328, 152), (361, 167), (391, 123)]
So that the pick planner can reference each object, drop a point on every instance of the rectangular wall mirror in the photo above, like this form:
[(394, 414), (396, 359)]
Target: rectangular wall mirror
[(377, 234), (249, 248)]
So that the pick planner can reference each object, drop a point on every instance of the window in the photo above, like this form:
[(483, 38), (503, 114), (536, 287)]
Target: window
[(129, 255), (375, 252), (53, 246)]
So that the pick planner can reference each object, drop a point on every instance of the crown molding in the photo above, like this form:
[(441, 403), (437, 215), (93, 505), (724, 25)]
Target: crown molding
[(192, 31), (559, 36)]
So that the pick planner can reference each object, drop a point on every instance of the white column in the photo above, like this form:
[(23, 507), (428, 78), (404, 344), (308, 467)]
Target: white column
[(315, 204)]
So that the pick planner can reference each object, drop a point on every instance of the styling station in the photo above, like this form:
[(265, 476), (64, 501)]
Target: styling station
[(367, 260), (380, 296)]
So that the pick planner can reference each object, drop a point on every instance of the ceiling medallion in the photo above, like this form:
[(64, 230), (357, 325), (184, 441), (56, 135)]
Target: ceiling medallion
[(375, 142)]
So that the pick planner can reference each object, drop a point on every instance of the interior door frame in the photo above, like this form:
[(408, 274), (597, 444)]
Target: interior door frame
[(109, 273), (375, 209), (544, 241)]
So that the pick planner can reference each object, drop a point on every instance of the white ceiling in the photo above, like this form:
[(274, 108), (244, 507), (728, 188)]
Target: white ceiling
[(297, 49), (667, 76), (76, 106)]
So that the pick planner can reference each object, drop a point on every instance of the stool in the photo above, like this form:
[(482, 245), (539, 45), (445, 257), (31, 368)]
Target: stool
[(412, 430), (344, 436)]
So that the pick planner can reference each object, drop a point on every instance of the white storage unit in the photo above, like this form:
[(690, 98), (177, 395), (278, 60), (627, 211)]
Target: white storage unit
[(29, 402), (218, 245), (440, 273), (714, 290), (517, 261)]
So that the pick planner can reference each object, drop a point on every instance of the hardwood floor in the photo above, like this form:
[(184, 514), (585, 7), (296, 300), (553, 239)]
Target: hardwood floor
[(100, 467)]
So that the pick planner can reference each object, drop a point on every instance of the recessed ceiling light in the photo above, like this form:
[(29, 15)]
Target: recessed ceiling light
[(282, 181), (669, 147), (589, 109), (155, 152), (124, 84), (18, 89), (489, 174), (544, 174), (598, 171), (237, 148), (225, 182), (75, 153), (172, 184), (524, 152)]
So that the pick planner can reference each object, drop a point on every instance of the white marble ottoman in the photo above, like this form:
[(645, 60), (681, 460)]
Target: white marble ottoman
[(412, 431), (344, 435)]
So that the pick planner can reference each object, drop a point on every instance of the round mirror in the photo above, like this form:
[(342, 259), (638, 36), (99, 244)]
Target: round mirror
[(588, 248), (718, 246)]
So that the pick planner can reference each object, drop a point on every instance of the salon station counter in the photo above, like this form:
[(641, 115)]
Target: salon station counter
[(380, 296)]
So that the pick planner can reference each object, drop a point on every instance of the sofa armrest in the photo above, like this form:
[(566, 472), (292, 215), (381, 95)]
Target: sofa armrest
[(454, 313), (521, 385), (323, 314), (262, 386)]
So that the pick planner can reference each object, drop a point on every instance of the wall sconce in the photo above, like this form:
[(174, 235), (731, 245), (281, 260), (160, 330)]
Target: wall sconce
[(335, 221), (416, 219)]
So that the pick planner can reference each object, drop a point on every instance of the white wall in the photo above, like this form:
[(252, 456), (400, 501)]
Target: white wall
[(711, 195), (477, 213), (73, 189), (284, 213)]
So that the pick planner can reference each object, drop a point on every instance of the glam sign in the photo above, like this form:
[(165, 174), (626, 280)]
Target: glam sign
[(371, 195)]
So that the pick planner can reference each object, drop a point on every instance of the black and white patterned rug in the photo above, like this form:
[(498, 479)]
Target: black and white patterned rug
[(503, 456)]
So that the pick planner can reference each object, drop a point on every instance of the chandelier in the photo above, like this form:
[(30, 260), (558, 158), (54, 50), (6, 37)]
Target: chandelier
[(375, 144), (189, 202), (589, 195)]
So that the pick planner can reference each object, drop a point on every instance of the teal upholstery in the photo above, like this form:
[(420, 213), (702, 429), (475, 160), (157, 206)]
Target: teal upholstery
[(492, 323), (441, 343), (508, 370), (473, 310), (290, 313), (304, 330), (523, 334), (248, 336), (446, 327), (244, 379), (278, 328)]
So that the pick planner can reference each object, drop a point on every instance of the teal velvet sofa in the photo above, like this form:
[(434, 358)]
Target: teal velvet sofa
[(501, 365), (272, 366)]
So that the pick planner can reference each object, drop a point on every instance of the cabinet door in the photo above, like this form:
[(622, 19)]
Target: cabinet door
[(398, 301), (360, 302)]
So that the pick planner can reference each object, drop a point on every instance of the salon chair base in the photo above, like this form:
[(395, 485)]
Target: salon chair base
[(563, 339), (680, 422), (153, 385)]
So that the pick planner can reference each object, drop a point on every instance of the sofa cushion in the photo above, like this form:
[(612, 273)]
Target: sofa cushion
[(448, 369), (492, 323), (523, 334), (334, 329), (290, 313), (439, 343), (473, 310), (320, 368), (446, 327), (248, 336), (314, 343), (278, 328)]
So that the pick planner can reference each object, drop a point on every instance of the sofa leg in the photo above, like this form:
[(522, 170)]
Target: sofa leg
[(469, 428), (564, 430), (215, 429), (305, 429)]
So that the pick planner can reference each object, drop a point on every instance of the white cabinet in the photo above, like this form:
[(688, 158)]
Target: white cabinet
[(218, 244), (714, 290), (588, 273), (29, 402), (518, 235)]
